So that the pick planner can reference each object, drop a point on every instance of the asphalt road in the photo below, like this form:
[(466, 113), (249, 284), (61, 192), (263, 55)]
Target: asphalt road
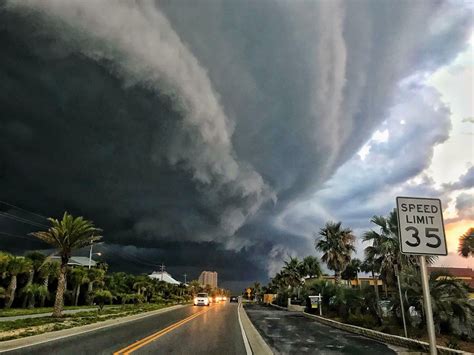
[(187, 330), (291, 333)]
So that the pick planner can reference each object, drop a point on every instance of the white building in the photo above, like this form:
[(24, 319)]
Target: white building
[(163, 276)]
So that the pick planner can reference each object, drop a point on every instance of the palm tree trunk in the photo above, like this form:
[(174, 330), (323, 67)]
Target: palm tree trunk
[(59, 300), (377, 296), (27, 298), (78, 291), (337, 277), (11, 292), (89, 293), (376, 287), (45, 284)]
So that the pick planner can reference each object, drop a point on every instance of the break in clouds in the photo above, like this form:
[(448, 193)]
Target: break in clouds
[(195, 134)]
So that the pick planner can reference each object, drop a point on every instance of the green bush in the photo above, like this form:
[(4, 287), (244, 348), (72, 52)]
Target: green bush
[(362, 320), (453, 343), (102, 297)]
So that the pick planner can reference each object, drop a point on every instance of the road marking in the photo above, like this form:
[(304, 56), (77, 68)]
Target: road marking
[(93, 327), (142, 342), (248, 350)]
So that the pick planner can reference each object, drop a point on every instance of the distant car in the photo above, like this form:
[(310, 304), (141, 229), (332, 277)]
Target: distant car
[(233, 299), (202, 299)]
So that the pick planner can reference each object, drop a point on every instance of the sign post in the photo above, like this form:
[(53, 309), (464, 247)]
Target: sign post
[(421, 229), (316, 302)]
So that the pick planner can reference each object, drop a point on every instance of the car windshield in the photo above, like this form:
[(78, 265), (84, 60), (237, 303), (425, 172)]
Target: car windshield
[(202, 294)]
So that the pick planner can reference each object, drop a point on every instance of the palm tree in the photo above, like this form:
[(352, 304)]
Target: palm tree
[(369, 265), (65, 235), (310, 267), (94, 275), (17, 265), (337, 245), (31, 291), (291, 272), (4, 260), (466, 243), (449, 297), (48, 271), (78, 278), (194, 287), (352, 271), (37, 259), (384, 251), (257, 290)]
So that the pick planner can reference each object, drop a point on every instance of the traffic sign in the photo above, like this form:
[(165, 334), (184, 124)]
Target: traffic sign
[(421, 226)]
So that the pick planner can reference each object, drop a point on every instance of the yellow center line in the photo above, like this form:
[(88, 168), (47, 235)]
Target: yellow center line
[(142, 342)]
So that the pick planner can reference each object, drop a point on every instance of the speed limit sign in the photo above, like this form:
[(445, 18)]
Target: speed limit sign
[(421, 226)]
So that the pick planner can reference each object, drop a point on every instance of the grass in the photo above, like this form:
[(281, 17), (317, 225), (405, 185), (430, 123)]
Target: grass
[(33, 326), (27, 311)]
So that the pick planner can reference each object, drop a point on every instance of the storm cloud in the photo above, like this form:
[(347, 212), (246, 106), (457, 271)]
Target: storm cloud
[(187, 131)]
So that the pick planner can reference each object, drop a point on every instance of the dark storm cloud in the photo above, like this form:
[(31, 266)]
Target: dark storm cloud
[(464, 207), (465, 181), (182, 129)]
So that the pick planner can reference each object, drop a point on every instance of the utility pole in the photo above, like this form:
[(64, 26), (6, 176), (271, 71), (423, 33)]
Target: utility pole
[(185, 278), (162, 270), (90, 255)]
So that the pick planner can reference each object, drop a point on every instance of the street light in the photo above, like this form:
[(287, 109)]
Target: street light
[(90, 253)]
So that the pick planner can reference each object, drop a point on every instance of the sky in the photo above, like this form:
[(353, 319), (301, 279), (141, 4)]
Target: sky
[(223, 135)]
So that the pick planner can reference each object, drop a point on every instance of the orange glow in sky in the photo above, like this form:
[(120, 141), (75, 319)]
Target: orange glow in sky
[(454, 231), (453, 259)]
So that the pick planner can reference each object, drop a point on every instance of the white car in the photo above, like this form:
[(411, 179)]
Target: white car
[(202, 299)]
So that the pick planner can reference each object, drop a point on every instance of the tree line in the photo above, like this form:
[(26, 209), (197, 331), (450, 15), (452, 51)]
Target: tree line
[(36, 280), (365, 306)]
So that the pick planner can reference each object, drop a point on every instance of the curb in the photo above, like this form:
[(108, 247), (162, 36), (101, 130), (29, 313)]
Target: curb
[(28, 341), (277, 306), (383, 337), (257, 344)]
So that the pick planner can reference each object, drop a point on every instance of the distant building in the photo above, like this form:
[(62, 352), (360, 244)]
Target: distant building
[(163, 276), (463, 274), (361, 281), (77, 261), (208, 278)]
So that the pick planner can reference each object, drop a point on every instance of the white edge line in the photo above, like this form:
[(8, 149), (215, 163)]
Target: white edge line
[(164, 310), (244, 336)]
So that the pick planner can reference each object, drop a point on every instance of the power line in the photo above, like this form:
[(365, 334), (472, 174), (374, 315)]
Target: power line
[(22, 236), (22, 209), (129, 257), (22, 220)]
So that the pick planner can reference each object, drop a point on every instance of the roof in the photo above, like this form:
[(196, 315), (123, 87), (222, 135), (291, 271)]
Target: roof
[(77, 260), (463, 273), (163, 276)]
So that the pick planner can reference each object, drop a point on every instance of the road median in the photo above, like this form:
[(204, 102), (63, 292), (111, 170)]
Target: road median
[(257, 343)]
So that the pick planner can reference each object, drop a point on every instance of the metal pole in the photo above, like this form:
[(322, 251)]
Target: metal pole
[(428, 309), (401, 305), (90, 256), (320, 305)]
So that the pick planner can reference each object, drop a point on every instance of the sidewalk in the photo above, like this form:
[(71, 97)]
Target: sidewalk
[(40, 315)]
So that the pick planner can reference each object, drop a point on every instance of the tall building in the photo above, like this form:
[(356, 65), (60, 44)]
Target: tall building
[(208, 278)]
